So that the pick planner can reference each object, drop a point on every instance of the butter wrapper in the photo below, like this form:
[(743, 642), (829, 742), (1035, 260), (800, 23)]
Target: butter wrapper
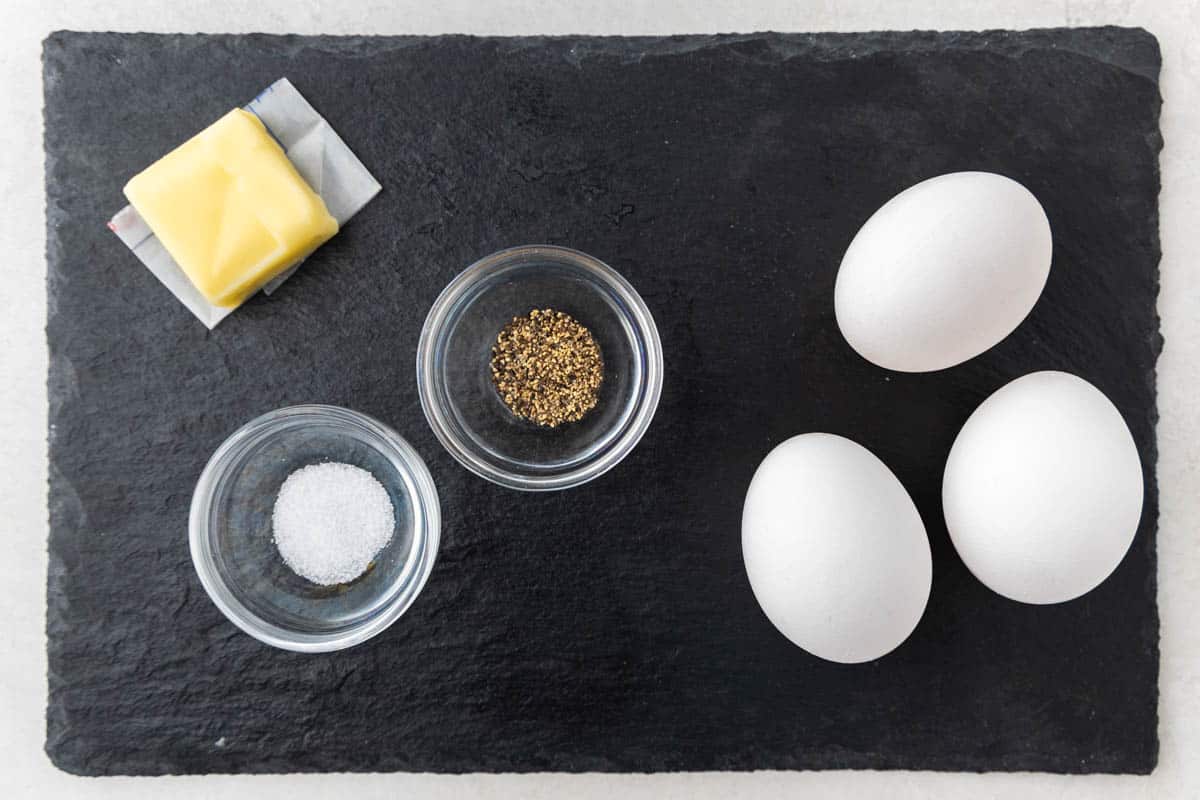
[(319, 155)]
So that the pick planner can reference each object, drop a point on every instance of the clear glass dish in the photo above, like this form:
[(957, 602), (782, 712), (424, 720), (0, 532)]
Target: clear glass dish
[(231, 538), (462, 404)]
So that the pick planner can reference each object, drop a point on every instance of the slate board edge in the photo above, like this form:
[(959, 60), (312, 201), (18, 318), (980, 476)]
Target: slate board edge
[(1133, 49), (1138, 53)]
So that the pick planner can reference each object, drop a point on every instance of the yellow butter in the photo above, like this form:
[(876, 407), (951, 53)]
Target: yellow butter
[(230, 208)]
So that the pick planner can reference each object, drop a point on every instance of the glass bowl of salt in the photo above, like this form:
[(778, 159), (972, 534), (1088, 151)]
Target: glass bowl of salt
[(314, 528)]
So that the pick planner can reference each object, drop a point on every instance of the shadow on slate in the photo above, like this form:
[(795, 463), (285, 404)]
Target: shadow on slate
[(610, 627)]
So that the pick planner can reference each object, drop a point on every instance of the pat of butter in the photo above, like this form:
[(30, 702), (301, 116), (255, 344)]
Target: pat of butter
[(230, 208)]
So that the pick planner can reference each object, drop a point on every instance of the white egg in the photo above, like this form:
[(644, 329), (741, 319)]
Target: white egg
[(943, 271), (835, 550), (1043, 489)]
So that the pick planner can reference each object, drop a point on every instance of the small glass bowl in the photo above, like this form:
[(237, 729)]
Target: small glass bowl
[(455, 383), (231, 537)]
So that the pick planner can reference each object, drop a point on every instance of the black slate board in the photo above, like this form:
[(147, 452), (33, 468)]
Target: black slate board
[(610, 627)]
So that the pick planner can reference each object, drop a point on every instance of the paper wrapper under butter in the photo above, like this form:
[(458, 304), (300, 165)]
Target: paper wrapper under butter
[(319, 155)]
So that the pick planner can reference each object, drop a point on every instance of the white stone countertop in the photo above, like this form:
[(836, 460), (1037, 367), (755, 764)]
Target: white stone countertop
[(24, 769)]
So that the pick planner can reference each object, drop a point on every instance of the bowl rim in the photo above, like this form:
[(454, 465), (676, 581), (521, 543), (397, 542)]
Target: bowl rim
[(267, 632), (461, 450)]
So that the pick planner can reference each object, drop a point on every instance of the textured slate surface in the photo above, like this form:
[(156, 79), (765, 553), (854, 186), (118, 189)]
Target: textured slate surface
[(610, 627)]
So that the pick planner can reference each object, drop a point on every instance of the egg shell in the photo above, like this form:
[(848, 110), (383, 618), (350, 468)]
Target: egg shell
[(835, 550), (1043, 489), (943, 271)]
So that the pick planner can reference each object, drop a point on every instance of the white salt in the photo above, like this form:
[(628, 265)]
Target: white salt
[(330, 521)]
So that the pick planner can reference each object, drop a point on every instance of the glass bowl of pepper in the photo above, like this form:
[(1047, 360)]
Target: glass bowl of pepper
[(539, 368)]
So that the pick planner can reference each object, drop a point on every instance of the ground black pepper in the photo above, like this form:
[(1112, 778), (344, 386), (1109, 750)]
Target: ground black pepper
[(547, 368)]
